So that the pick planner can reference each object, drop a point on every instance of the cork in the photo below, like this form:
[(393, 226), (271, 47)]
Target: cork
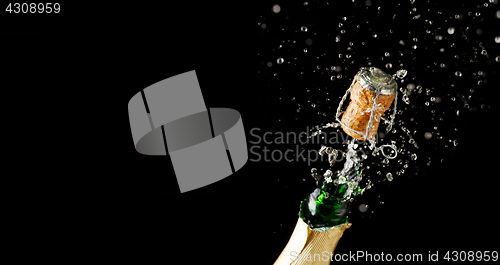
[(309, 247), (357, 114)]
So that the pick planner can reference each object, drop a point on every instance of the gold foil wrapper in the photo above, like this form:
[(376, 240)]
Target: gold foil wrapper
[(309, 247)]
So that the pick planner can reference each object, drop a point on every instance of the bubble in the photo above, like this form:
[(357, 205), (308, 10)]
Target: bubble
[(497, 59), (280, 60), (388, 66), (363, 207), (389, 176), (276, 9), (451, 30), (414, 47), (313, 105), (458, 73), (413, 156), (303, 29), (484, 52), (337, 38)]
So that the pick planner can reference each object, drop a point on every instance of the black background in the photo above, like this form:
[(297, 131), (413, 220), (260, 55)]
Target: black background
[(78, 186)]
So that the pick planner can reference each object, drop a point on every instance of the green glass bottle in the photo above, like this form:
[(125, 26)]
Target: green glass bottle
[(327, 206)]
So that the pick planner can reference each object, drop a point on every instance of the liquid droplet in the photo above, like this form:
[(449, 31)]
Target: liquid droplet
[(389, 176), (406, 99), (276, 9), (401, 73)]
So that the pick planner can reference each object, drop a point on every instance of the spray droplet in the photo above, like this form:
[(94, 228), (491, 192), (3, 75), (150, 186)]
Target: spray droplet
[(451, 30), (401, 73), (276, 9), (406, 99)]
